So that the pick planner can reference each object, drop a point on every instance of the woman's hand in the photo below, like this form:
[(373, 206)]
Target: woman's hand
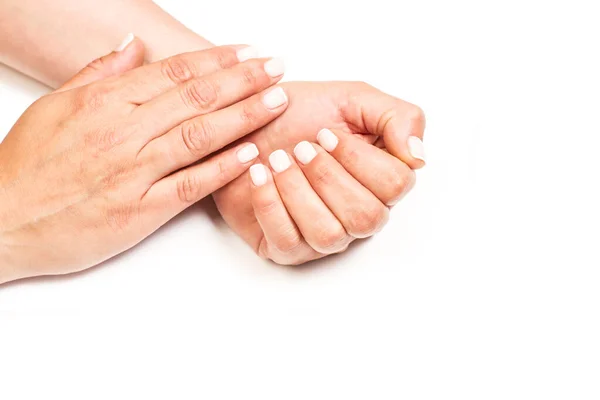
[(89, 171), (317, 198)]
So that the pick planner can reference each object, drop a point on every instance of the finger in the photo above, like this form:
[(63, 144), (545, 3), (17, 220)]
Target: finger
[(144, 84), (205, 95), (171, 195), (402, 124), (319, 227), (283, 243), (129, 55), (384, 175), (359, 211), (198, 137)]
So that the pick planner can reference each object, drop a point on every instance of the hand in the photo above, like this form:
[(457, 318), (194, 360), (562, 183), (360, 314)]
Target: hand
[(304, 210), (92, 169)]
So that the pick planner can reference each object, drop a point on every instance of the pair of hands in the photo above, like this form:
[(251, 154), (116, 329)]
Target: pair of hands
[(93, 168)]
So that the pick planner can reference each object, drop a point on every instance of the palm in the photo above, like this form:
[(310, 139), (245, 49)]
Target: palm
[(312, 107)]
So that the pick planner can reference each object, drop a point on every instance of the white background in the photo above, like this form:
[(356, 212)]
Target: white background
[(485, 284)]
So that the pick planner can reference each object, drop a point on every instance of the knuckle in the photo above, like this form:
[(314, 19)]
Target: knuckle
[(224, 59), (198, 136), (97, 65), (265, 206), (189, 188), (249, 77), (288, 241), (386, 118), (351, 158), (323, 175), (90, 98), (416, 117), (224, 174), (399, 182), (176, 69), (200, 95), (331, 240), (249, 116), (368, 221)]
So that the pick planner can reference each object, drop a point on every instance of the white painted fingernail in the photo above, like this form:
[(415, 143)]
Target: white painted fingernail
[(274, 67), (258, 174), (416, 148), (305, 152), (128, 39), (279, 161), (247, 53), (275, 98), (327, 140), (247, 153)]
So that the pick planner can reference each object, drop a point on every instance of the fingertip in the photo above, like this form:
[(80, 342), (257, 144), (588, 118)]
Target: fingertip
[(247, 153), (280, 161), (246, 52), (305, 152), (275, 99), (125, 42), (327, 139), (416, 149), (133, 55), (274, 67), (259, 175)]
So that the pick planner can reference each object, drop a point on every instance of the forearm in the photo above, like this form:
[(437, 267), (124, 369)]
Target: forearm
[(52, 40)]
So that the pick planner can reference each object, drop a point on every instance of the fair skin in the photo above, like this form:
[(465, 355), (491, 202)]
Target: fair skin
[(92, 169), (308, 211), (350, 186)]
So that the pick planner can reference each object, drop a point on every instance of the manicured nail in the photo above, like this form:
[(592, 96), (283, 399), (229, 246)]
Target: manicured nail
[(416, 148), (275, 98), (258, 174), (279, 161), (327, 140), (305, 152), (274, 67), (247, 53), (128, 39), (247, 153)]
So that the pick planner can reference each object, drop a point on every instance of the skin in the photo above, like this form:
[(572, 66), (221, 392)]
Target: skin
[(347, 190), (376, 163), (111, 161), (31, 40)]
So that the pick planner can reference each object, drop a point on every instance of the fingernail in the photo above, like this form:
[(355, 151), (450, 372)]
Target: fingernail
[(327, 140), (416, 148), (247, 153), (258, 174), (274, 67), (279, 161), (128, 39), (275, 98), (305, 152), (247, 53)]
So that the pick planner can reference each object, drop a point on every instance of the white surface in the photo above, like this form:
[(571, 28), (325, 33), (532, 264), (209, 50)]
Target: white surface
[(485, 284)]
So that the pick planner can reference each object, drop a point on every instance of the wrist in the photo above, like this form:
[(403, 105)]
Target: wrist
[(163, 35)]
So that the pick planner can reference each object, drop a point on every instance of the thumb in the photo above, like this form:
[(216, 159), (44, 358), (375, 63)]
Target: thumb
[(129, 55), (399, 123)]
